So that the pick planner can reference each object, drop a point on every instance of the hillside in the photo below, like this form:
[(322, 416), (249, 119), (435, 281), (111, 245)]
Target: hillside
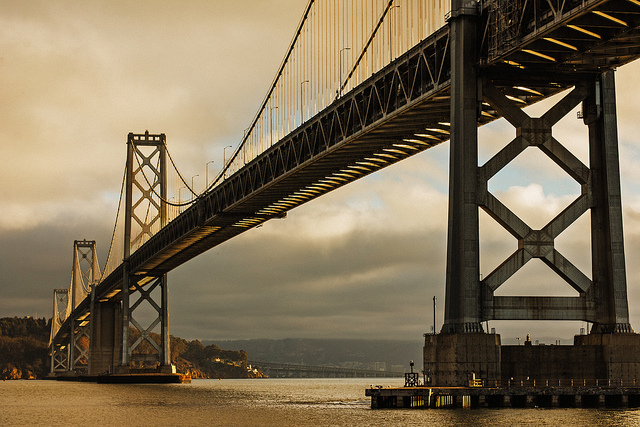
[(361, 354), (23, 348), (210, 361), (24, 353)]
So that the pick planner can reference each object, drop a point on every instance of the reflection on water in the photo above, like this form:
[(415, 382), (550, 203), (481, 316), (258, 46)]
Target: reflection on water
[(268, 402)]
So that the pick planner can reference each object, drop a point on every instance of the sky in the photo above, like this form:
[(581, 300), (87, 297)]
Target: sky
[(364, 261)]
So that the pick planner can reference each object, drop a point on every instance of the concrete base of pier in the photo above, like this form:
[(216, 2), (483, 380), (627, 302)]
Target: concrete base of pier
[(154, 378), (453, 360)]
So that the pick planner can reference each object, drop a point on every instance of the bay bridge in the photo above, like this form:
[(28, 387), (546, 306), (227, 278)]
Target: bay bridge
[(363, 85)]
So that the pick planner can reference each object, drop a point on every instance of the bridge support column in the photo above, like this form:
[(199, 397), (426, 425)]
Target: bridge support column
[(462, 349), (462, 303), (608, 262), (611, 330), (74, 353), (106, 337)]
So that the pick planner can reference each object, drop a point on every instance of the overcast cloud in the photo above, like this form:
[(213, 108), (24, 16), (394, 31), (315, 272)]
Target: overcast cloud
[(361, 262)]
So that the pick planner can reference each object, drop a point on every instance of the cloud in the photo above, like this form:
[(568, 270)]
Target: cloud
[(349, 259)]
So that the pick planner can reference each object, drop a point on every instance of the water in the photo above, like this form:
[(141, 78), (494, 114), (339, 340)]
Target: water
[(269, 402)]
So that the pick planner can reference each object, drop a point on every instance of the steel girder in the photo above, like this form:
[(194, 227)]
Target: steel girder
[(553, 38)]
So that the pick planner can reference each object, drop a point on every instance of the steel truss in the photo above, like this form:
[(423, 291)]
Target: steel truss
[(145, 192), (347, 132), (59, 352), (59, 358), (594, 303)]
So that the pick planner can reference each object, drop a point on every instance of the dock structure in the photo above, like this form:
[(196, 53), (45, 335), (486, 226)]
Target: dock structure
[(582, 394)]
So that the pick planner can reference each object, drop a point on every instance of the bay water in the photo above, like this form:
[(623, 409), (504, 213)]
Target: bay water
[(257, 402)]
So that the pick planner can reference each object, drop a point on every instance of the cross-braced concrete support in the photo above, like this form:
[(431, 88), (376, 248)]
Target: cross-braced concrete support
[(462, 348), (145, 212), (602, 299)]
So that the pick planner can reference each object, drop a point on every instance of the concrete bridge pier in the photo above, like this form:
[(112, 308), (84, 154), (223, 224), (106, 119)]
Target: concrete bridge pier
[(463, 348), (106, 339)]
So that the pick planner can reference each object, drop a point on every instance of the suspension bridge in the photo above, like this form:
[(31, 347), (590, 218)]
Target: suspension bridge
[(363, 85)]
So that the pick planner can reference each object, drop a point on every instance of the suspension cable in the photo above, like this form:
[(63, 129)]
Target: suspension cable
[(178, 172), (168, 202), (366, 47), (267, 97), (115, 226)]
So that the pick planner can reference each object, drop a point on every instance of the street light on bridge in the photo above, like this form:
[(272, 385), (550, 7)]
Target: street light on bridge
[(391, 33), (244, 149), (271, 124), (206, 167), (340, 70), (301, 103), (224, 159), (193, 193)]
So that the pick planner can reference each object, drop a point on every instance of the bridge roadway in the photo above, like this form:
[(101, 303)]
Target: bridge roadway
[(398, 112)]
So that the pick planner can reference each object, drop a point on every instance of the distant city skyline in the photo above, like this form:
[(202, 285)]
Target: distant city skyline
[(363, 261)]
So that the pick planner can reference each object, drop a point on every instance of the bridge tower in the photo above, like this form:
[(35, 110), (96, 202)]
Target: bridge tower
[(59, 351), (463, 348), (145, 213), (85, 273)]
